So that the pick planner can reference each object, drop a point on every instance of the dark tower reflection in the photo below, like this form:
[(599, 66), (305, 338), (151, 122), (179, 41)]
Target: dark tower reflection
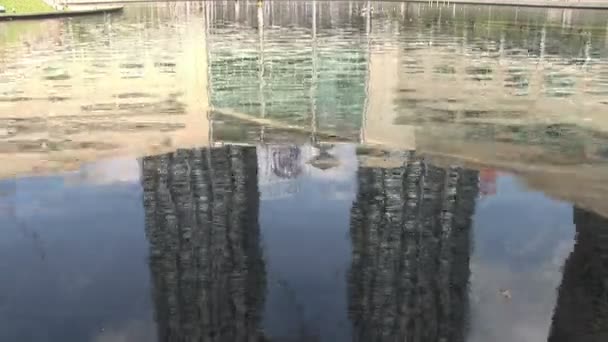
[(410, 229), (206, 262), (581, 313)]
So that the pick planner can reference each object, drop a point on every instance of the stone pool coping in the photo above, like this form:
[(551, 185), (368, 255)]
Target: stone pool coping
[(573, 4), (566, 4), (60, 14)]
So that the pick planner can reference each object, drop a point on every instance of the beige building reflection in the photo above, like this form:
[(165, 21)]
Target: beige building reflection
[(509, 98), (471, 94), (72, 96)]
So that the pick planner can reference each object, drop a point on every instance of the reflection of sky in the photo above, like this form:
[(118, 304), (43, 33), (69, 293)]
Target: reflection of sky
[(521, 240), (107, 172), (335, 181), (307, 251), (73, 257), (73, 260)]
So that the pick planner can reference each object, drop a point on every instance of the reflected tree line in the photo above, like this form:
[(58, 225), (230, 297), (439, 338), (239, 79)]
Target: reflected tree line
[(411, 234)]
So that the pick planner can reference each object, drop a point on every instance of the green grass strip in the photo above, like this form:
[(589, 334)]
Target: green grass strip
[(25, 6)]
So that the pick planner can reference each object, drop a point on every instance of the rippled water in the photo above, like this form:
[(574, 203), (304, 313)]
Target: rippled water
[(305, 171)]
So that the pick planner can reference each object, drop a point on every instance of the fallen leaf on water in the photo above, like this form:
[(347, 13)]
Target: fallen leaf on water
[(506, 293)]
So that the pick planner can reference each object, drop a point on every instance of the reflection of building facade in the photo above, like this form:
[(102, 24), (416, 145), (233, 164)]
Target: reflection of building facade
[(319, 65), (410, 229), (464, 78), (304, 79), (581, 313), (421, 90), (105, 91), (208, 273)]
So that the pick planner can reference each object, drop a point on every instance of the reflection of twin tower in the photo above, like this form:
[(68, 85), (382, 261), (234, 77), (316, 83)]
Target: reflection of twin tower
[(202, 223), (581, 313), (410, 230)]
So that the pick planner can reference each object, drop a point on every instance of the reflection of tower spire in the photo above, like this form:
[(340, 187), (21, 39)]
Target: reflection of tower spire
[(410, 230), (581, 313), (202, 223), (261, 97), (313, 83)]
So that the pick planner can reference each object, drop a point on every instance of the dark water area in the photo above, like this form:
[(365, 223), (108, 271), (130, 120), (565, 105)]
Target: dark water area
[(305, 171), (240, 243)]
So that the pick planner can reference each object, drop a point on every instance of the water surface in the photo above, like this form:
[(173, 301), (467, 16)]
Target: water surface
[(304, 171)]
